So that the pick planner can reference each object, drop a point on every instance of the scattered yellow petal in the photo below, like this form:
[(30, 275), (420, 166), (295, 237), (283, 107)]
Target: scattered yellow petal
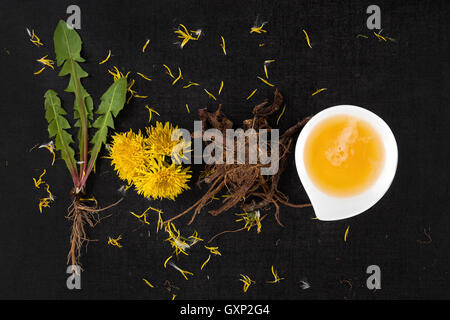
[(214, 250), (150, 112), (194, 238), (346, 234), (143, 76), (107, 58), (39, 71), (282, 112), (156, 210), (261, 45), (184, 273), (50, 195), (266, 82), (187, 108), (175, 240), (117, 75), (259, 29), (145, 45), (221, 87), (35, 39), (180, 76), (210, 94), (51, 148), (47, 62), (92, 199), (44, 203), (190, 84), (318, 91), (267, 62), (251, 94), (307, 38), (380, 37), (168, 71), (173, 296), (204, 263), (148, 283), (160, 224), (142, 216), (167, 260), (186, 35), (275, 276), (251, 219), (115, 242), (247, 282), (38, 182), (222, 45)]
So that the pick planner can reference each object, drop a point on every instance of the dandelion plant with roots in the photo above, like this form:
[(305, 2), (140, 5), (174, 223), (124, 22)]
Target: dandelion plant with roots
[(68, 55)]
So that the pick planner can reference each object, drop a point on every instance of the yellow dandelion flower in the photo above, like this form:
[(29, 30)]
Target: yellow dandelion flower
[(159, 180), (128, 154), (159, 141)]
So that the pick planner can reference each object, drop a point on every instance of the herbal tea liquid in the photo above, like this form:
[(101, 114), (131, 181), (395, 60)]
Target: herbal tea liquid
[(343, 155)]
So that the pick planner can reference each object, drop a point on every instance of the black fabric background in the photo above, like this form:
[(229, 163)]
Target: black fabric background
[(406, 83)]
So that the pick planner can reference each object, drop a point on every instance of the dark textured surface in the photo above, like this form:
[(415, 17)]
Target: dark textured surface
[(406, 83)]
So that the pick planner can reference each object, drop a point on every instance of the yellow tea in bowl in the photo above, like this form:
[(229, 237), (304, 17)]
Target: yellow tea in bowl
[(343, 155)]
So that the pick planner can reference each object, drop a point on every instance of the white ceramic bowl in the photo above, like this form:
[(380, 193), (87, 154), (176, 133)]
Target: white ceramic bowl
[(329, 207)]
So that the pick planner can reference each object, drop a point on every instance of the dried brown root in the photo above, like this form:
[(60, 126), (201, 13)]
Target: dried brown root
[(244, 182), (81, 214)]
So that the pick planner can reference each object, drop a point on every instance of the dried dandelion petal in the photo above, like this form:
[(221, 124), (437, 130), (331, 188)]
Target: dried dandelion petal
[(222, 45), (115, 242), (318, 91), (258, 29), (307, 38), (145, 45), (251, 94), (106, 59), (148, 283)]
